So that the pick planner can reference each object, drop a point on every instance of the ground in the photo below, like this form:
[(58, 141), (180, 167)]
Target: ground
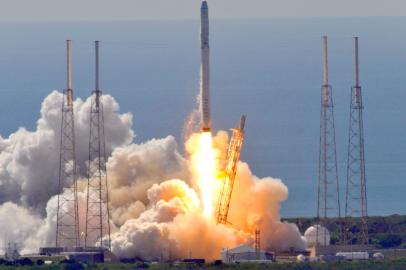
[(370, 265), (384, 232)]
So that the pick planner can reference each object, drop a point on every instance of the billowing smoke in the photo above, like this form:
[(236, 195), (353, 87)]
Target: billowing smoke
[(155, 202), (172, 227), (29, 164), (29, 160), (133, 169)]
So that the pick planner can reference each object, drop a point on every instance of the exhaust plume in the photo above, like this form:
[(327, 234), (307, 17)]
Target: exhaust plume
[(157, 199)]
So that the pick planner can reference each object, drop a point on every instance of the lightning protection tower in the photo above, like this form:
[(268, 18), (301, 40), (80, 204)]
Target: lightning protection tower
[(328, 203), (356, 231), (67, 228), (97, 211)]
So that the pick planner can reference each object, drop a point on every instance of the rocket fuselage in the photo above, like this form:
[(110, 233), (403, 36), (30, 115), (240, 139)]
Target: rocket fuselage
[(205, 69)]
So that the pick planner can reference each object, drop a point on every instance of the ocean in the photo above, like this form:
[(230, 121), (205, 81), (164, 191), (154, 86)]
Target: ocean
[(269, 70)]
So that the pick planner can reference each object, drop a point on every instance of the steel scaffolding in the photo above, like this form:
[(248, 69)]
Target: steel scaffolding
[(356, 230), (67, 228), (328, 202), (97, 210)]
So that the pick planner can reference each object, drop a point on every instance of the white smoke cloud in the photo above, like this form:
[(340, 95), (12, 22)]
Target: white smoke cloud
[(29, 160), (133, 169), (154, 203), (29, 168), (29, 229), (18, 223), (117, 128)]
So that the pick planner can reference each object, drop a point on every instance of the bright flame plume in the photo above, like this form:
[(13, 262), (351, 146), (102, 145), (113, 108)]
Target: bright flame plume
[(204, 160)]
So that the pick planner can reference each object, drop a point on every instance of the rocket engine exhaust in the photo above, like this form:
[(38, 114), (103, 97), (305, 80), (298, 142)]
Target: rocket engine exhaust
[(205, 120)]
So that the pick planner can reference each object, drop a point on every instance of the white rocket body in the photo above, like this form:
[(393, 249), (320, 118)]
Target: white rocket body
[(205, 69)]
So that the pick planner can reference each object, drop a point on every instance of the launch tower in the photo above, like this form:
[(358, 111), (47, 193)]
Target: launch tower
[(356, 194), (67, 224), (328, 203), (97, 211)]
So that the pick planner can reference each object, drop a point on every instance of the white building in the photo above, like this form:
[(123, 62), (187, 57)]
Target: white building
[(352, 256), (317, 233), (245, 253)]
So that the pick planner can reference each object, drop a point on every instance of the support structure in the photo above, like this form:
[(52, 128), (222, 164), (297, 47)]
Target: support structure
[(233, 156), (328, 203), (258, 243), (356, 232), (67, 228), (97, 211)]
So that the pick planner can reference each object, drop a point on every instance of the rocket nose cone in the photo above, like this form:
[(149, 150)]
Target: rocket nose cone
[(204, 4)]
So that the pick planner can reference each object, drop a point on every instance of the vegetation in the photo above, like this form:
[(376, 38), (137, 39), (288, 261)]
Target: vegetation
[(370, 265), (384, 232)]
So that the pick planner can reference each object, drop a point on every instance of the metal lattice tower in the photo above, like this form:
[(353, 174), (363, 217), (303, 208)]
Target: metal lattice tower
[(67, 228), (356, 194), (328, 203), (97, 211), (233, 156), (258, 243)]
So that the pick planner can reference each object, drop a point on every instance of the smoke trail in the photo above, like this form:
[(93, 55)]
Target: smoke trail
[(191, 125)]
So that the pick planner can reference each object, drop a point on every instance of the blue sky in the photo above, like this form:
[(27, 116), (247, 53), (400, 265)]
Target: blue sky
[(100, 10)]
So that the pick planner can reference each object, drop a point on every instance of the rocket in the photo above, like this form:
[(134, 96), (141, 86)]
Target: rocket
[(205, 119)]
